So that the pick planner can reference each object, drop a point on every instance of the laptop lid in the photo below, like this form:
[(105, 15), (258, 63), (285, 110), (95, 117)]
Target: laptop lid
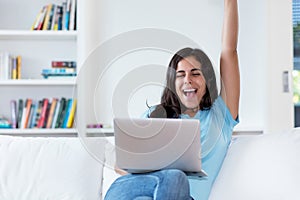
[(150, 144)]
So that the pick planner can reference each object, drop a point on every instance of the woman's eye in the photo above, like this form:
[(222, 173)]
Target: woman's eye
[(179, 75), (196, 74)]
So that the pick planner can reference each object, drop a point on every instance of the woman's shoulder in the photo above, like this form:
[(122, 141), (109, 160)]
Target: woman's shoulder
[(160, 111), (220, 109)]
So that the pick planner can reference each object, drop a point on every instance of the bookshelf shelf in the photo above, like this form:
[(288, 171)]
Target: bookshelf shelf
[(35, 82), (99, 132), (37, 35), (60, 132)]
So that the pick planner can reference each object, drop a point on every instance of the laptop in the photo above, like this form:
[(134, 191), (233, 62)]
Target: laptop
[(145, 145)]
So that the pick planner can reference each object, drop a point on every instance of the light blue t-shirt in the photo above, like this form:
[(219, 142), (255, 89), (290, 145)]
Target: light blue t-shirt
[(216, 126)]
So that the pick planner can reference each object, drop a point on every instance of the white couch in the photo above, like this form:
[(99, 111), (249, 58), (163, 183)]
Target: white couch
[(262, 167)]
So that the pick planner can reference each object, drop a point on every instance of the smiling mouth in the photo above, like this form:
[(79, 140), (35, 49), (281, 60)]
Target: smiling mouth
[(188, 92)]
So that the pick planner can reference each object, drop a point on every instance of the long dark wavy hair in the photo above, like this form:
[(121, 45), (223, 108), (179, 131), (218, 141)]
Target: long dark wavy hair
[(170, 105)]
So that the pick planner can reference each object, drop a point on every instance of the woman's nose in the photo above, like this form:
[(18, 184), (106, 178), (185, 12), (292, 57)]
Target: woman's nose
[(187, 79)]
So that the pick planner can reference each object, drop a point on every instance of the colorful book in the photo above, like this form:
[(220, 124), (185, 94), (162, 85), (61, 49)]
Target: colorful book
[(37, 20), (67, 113), (63, 64), (56, 112), (26, 112), (42, 18), (14, 68), (47, 17), (34, 115), (43, 113), (19, 66), (51, 112), (38, 114), (71, 116), (67, 15)]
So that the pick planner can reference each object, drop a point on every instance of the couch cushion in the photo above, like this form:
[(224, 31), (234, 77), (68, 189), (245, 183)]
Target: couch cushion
[(49, 168), (261, 167)]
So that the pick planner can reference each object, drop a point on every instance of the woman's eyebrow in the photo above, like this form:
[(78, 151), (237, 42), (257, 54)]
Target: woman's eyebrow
[(180, 71), (195, 69)]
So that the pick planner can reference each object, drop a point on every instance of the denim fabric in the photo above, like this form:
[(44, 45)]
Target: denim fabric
[(169, 184)]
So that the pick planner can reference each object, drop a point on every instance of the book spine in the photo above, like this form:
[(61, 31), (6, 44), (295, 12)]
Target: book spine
[(61, 112), (43, 113), (30, 116), (14, 68), (47, 17), (51, 113), (67, 113), (20, 112), (37, 20), (38, 114), (72, 15), (33, 118), (71, 117), (27, 112), (19, 66), (13, 106), (63, 64), (42, 18), (67, 15), (55, 114)]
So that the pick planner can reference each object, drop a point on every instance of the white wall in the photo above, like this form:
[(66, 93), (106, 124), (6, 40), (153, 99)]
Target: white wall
[(120, 40)]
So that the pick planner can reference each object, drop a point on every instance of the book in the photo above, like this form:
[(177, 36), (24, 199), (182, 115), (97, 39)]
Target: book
[(47, 114), (34, 114), (13, 108), (19, 66), (59, 72), (43, 113), (26, 112), (37, 19), (63, 64), (56, 112), (67, 15), (37, 114), (30, 115), (54, 17), (42, 18), (71, 116), (72, 15), (67, 113), (4, 122), (14, 68), (20, 112), (51, 113), (51, 18), (47, 17), (61, 111)]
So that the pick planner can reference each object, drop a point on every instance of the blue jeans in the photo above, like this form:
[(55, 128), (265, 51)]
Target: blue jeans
[(169, 184)]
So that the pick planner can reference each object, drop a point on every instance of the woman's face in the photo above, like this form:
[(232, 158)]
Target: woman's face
[(190, 83)]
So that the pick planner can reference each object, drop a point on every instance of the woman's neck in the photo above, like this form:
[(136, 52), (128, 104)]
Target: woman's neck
[(191, 111)]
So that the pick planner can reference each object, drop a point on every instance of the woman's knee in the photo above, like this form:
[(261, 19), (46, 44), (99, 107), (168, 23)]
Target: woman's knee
[(177, 175)]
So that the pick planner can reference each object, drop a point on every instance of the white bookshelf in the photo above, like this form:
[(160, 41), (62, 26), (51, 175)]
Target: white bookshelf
[(37, 49)]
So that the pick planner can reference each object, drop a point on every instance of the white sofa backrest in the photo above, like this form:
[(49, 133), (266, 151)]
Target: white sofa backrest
[(50, 168)]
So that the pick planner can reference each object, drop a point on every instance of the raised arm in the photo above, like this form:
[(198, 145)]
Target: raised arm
[(229, 67)]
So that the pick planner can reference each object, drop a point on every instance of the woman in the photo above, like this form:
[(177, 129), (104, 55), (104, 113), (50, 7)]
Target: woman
[(191, 92)]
